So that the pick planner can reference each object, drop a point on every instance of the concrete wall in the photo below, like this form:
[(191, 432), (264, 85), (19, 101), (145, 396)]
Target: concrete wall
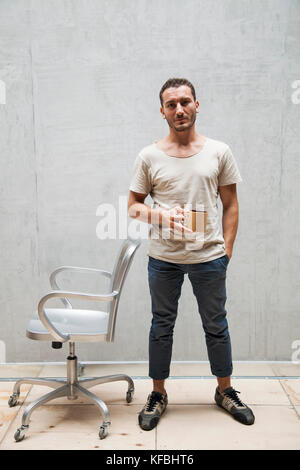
[(82, 80)]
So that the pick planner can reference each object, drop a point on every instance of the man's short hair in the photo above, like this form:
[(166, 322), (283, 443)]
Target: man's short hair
[(175, 83)]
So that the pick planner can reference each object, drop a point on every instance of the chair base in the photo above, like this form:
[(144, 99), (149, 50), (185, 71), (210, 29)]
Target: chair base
[(71, 388)]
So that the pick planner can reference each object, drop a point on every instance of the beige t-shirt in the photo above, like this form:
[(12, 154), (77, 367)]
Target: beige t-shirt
[(189, 182)]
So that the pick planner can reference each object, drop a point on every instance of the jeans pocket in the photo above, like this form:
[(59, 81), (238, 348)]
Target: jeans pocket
[(224, 260)]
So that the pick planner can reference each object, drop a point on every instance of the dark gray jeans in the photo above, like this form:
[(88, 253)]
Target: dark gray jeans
[(209, 287)]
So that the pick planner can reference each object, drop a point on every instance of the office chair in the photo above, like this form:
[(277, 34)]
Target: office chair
[(61, 325)]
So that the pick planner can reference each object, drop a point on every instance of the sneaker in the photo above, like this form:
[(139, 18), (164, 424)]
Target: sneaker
[(152, 411), (229, 400)]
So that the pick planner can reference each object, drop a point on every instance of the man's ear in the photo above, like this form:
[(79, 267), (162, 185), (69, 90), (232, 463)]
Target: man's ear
[(197, 106), (162, 112)]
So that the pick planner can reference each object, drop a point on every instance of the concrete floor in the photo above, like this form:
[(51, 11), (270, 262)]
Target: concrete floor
[(192, 420)]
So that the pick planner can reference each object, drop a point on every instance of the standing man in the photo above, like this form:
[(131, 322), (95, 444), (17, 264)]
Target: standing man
[(187, 168)]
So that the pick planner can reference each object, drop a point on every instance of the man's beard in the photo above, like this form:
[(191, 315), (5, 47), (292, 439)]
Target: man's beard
[(186, 124)]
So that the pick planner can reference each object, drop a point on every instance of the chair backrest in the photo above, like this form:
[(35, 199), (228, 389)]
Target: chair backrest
[(122, 264)]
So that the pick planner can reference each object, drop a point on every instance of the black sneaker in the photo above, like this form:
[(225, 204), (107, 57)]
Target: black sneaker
[(229, 400), (152, 411)]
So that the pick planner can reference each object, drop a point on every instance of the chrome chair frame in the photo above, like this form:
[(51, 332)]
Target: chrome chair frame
[(71, 386)]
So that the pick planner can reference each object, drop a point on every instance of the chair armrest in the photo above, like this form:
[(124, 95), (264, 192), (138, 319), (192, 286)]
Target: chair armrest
[(68, 294), (53, 275)]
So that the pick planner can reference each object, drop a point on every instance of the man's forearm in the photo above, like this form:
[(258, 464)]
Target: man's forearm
[(144, 213), (171, 218), (230, 221)]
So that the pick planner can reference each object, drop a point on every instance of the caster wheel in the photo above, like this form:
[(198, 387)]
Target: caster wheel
[(103, 432), (13, 400), (19, 435), (129, 396)]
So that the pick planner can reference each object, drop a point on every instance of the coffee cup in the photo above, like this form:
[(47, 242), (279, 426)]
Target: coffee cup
[(196, 220)]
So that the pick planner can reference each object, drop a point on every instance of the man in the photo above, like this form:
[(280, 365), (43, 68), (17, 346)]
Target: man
[(187, 168)]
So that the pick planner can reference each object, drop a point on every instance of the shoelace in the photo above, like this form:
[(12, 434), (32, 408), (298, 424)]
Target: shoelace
[(233, 395), (153, 400)]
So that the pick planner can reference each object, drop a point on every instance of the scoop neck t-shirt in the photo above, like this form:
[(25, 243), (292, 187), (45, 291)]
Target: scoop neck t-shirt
[(187, 156), (190, 182)]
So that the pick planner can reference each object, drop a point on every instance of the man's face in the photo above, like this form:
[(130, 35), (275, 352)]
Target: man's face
[(179, 108)]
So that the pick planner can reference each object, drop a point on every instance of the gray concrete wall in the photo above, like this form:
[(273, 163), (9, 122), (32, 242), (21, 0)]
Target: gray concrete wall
[(82, 80)]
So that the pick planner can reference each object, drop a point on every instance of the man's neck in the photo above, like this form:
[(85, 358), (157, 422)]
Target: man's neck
[(183, 139)]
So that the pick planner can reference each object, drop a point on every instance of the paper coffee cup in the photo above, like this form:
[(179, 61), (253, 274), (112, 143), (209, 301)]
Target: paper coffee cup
[(196, 220)]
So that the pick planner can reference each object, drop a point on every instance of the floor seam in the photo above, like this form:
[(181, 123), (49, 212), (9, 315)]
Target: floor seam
[(292, 404), (174, 377), (170, 404)]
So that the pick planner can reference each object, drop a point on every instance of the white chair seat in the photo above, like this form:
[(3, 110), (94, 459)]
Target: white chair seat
[(78, 323)]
